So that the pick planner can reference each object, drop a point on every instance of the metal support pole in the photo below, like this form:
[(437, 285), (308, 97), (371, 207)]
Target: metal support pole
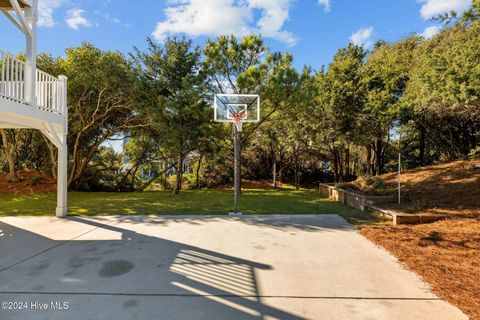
[(275, 173), (399, 171), (237, 169)]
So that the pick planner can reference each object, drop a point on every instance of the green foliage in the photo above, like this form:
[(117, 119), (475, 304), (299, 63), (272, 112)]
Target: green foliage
[(103, 173), (474, 152), (378, 184), (171, 93), (443, 95), (100, 101), (416, 96), (233, 64), (36, 180), (447, 70), (369, 181)]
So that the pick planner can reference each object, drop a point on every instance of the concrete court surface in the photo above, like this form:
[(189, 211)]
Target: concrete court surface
[(158, 267)]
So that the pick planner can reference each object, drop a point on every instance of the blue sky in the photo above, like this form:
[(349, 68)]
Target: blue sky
[(311, 29)]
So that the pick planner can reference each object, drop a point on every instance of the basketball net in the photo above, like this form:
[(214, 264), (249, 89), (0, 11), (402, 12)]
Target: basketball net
[(238, 120)]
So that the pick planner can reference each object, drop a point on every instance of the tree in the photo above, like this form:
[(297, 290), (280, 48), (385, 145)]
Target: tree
[(385, 75), (337, 109), (100, 101), (10, 141), (143, 152), (171, 92), (227, 62), (442, 95)]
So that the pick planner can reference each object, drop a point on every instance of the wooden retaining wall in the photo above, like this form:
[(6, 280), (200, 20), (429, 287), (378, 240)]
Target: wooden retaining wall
[(365, 202), (352, 199)]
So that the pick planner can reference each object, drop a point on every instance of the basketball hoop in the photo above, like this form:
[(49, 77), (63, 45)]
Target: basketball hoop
[(238, 118), (236, 109)]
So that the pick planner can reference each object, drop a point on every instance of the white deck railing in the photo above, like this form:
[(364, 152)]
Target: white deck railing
[(12, 84), (49, 92), (49, 89)]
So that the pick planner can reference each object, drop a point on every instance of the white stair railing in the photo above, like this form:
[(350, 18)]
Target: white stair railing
[(49, 89), (12, 73)]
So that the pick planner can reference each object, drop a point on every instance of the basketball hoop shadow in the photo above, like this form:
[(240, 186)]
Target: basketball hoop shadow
[(165, 277)]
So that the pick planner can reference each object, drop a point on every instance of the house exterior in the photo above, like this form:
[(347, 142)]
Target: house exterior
[(31, 98)]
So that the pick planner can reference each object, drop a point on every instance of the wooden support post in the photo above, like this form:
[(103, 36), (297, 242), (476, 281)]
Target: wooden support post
[(31, 54)]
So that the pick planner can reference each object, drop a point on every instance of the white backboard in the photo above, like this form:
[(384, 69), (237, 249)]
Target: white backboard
[(225, 105)]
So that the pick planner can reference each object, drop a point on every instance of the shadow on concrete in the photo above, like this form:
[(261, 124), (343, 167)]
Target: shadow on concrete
[(187, 282), (277, 222)]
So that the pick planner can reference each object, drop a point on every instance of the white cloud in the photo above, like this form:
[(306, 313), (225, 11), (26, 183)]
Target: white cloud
[(274, 14), (45, 12), (215, 17), (108, 17), (430, 32), (113, 19), (432, 8), (362, 37), (75, 19), (326, 4)]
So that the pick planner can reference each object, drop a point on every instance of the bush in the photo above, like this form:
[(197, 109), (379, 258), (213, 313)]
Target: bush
[(348, 186), (35, 181), (378, 184), (188, 181), (474, 152), (368, 181)]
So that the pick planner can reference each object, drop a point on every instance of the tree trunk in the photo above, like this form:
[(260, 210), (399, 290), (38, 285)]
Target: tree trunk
[(422, 146), (53, 156), (12, 175), (296, 175), (280, 167), (275, 174), (354, 170), (335, 166), (370, 169), (9, 150), (150, 181), (179, 174), (197, 174), (341, 169), (378, 156), (347, 163)]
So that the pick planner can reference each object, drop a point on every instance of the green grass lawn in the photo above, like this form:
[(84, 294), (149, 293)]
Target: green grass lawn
[(252, 201)]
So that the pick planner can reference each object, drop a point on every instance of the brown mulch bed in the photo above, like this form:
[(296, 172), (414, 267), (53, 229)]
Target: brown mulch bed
[(29, 181), (446, 254)]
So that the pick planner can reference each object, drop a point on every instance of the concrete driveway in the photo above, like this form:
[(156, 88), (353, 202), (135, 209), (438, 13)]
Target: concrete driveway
[(255, 267)]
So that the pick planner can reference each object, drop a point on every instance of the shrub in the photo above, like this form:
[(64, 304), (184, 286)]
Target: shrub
[(378, 184), (368, 181), (35, 181), (474, 152)]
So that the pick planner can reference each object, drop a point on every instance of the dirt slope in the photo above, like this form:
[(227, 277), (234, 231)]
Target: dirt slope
[(30, 181), (450, 188)]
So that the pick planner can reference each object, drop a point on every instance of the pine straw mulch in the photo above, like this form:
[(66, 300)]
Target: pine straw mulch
[(448, 189), (443, 189), (446, 254), (28, 182)]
